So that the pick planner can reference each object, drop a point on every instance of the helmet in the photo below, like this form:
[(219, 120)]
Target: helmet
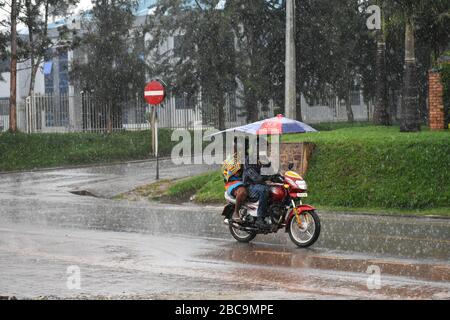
[(231, 166)]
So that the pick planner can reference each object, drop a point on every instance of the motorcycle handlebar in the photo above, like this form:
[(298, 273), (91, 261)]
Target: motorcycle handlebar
[(277, 178)]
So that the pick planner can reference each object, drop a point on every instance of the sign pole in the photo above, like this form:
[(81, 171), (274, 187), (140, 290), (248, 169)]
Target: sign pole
[(156, 144), (154, 94)]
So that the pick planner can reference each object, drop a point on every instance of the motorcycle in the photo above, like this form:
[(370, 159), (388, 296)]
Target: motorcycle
[(285, 211)]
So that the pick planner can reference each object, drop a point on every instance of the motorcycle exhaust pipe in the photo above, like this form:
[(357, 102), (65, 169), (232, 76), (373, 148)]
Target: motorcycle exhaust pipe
[(227, 222)]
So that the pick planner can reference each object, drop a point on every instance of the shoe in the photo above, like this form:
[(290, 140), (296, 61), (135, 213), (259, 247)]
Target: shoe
[(236, 219)]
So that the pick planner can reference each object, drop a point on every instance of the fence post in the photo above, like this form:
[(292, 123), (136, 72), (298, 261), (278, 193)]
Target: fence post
[(72, 116), (28, 114)]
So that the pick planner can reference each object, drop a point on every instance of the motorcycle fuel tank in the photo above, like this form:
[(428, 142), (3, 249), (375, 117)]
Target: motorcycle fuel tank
[(277, 193)]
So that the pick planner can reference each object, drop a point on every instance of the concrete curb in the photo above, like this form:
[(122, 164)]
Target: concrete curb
[(92, 165), (82, 166)]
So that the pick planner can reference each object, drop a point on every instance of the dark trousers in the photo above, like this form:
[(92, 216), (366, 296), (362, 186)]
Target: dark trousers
[(259, 192)]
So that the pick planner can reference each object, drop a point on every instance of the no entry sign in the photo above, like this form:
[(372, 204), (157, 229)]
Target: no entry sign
[(154, 93)]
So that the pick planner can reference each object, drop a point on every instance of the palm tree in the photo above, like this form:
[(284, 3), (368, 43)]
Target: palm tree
[(430, 18), (406, 10), (409, 118), (381, 114)]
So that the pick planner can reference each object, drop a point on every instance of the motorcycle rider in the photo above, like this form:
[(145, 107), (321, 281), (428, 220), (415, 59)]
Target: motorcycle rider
[(257, 189), (234, 186)]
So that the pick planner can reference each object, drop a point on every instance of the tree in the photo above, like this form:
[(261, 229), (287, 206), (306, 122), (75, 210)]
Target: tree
[(410, 107), (259, 29), (426, 29), (203, 61), (114, 70), (4, 36), (332, 42), (13, 79), (381, 114), (30, 13), (35, 16), (409, 119)]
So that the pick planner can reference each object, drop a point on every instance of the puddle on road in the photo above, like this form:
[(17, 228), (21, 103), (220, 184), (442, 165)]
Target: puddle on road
[(315, 259)]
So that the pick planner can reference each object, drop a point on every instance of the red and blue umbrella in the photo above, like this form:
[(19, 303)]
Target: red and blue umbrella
[(278, 125)]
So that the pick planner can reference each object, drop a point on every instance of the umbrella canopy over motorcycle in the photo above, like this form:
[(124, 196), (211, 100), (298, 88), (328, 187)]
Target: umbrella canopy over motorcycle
[(277, 125)]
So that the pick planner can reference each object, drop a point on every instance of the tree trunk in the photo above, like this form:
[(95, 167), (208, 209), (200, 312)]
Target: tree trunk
[(393, 106), (348, 108), (35, 59), (298, 112), (221, 114), (348, 105), (251, 106), (380, 114), (13, 83), (109, 123), (34, 71), (409, 121)]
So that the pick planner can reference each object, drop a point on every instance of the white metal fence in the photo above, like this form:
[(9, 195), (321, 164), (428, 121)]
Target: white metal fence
[(4, 114), (334, 110), (82, 113)]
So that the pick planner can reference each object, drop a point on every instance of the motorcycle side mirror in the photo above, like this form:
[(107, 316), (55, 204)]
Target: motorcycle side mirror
[(291, 166)]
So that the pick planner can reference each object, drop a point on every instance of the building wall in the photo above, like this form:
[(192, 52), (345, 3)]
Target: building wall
[(23, 82)]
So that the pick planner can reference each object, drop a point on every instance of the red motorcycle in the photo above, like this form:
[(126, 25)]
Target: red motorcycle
[(285, 211)]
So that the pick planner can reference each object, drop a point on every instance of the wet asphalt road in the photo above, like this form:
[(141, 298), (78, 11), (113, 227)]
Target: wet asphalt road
[(134, 250)]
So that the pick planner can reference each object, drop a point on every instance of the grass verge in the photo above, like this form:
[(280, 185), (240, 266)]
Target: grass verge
[(361, 169), (31, 151), (379, 167)]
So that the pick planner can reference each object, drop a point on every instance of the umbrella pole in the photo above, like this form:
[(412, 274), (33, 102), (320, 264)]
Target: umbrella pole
[(257, 149)]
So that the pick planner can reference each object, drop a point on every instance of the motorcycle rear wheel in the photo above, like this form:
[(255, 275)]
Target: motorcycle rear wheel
[(240, 235), (295, 231)]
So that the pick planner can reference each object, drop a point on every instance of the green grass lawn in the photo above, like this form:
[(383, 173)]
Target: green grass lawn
[(379, 167), (369, 167), (207, 187), (29, 151)]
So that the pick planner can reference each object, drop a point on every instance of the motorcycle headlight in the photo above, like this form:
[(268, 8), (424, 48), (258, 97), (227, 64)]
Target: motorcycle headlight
[(301, 184)]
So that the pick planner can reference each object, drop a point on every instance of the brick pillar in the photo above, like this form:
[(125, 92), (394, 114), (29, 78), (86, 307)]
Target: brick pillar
[(436, 116), (297, 153)]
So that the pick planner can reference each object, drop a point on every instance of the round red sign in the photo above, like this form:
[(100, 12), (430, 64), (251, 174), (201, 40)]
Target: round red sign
[(154, 93)]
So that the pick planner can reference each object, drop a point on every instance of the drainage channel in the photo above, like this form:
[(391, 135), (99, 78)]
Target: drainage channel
[(83, 193)]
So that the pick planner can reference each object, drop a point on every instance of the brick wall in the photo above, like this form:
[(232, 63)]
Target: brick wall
[(436, 116), (297, 153)]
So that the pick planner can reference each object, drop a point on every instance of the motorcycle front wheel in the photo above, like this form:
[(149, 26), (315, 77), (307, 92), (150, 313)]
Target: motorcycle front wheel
[(307, 233), (241, 235)]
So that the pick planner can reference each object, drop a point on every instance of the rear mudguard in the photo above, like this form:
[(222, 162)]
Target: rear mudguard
[(301, 209), (228, 211)]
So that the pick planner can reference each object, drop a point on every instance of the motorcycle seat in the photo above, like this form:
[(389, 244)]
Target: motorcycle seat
[(232, 199)]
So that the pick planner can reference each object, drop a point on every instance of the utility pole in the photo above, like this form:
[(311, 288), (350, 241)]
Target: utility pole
[(290, 97), (13, 82)]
